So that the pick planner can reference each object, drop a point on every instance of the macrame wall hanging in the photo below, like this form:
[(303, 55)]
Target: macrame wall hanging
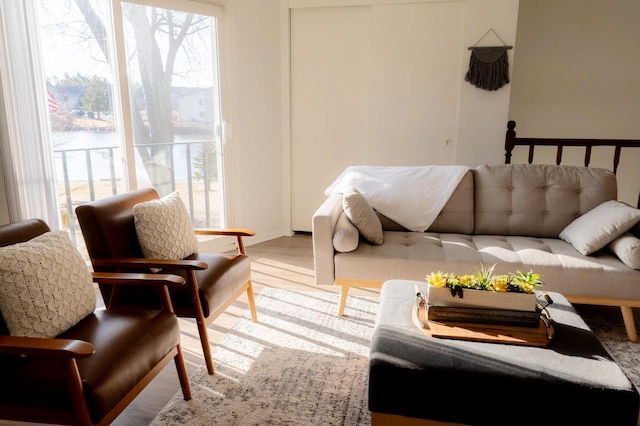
[(488, 66)]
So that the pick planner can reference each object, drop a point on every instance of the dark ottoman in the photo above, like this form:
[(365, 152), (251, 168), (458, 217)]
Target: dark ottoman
[(572, 381)]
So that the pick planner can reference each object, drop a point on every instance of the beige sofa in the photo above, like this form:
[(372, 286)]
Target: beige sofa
[(508, 215)]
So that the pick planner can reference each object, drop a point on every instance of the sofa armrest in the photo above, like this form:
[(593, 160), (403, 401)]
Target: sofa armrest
[(323, 227)]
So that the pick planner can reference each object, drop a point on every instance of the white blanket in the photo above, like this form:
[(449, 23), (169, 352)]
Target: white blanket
[(412, 196)]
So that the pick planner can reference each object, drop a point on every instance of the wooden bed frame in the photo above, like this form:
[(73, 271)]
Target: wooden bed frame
[(511, 141)]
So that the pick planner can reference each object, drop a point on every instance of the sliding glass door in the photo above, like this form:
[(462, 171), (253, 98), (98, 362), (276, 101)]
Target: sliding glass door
[(134, 98)]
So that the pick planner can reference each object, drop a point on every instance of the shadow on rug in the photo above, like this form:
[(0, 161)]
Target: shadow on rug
[(302, 365), (299, 365), (607, 324)]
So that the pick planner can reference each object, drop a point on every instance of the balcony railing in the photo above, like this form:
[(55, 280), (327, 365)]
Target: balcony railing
[(87, 174)]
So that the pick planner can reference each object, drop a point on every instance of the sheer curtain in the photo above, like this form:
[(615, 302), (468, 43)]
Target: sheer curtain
[(27, 160)]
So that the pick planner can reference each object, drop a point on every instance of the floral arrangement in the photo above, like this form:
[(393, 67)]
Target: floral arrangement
[(484, 279)]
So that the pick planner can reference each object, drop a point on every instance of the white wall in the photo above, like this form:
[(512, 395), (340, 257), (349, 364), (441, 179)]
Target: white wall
[(577, 75), (259, 172)]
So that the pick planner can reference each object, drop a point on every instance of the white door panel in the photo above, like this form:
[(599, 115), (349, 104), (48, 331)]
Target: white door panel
[(330, 61), (414, 82), (371, 85)]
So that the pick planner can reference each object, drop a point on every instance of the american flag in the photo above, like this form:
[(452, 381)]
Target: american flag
[(53, 104)]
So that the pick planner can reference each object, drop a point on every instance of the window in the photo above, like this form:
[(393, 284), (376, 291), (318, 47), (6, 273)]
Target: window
[(136, 103)]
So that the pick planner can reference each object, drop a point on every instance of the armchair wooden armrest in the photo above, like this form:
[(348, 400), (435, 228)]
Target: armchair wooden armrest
[(232, 232), (225, 232), (69, 348), (142, 263), (129, 278), (38, 346), (124, 278)]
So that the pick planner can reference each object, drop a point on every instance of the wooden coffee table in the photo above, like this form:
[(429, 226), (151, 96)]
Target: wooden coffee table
[(417, 379)]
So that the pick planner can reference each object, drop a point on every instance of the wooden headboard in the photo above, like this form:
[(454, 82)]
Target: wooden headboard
[(511, 141)]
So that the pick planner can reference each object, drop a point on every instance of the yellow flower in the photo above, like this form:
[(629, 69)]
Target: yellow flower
[(500, 283), (525, 282), (526, 287), (483, 279), (468, 281), (437, 279)]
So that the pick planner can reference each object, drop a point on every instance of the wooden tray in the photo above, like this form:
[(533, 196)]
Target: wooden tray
[(493, 333)]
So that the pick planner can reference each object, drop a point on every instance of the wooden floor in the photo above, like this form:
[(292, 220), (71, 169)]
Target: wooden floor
[(285, 262)]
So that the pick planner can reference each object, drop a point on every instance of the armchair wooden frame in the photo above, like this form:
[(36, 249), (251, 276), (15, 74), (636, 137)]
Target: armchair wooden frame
[(68, 351), (190, 266), (108, 227)]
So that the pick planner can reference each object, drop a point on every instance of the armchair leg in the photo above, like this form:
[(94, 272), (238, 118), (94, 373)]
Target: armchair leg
[(200, 321), (344, 292), (204, 340), (252, 302), (182, 374), (81, 412)]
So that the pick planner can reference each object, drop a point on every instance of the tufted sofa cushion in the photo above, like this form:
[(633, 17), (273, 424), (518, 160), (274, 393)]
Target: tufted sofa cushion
[(413, 255), (537, 200)]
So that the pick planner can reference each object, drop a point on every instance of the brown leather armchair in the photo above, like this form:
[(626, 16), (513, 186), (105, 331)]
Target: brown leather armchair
[(214, 281), (90, 373)]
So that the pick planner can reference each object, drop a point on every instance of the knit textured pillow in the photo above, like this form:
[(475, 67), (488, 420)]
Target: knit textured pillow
[(45, 286), (164, 228)]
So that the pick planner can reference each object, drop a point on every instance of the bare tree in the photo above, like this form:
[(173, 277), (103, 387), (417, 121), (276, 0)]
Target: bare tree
[(153, 130)]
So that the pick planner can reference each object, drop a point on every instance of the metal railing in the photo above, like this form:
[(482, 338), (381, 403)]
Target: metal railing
[(102, 178)]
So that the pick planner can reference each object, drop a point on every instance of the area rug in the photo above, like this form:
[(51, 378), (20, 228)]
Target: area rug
[(299, 365), (302, 365)]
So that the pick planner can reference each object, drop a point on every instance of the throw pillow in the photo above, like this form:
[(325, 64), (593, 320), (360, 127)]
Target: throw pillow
[(599, 226), (345, 236), (627, 248), (362, 215), (164, 228), (45, 286)]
